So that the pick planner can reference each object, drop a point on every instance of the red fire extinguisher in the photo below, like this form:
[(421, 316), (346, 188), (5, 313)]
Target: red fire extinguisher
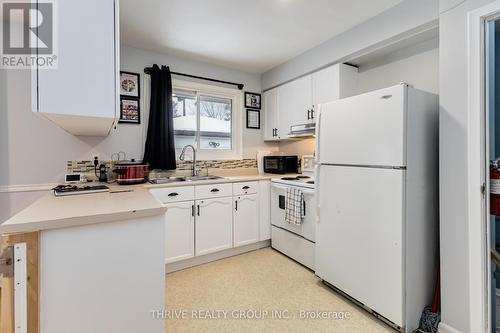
[(495, 188)]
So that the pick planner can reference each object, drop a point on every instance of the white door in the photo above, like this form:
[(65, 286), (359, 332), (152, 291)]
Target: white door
[(86, 56), (179, 231), (359, 239), (295, 104), (246, 219), (214, 225), (271, 115), (367, 129)]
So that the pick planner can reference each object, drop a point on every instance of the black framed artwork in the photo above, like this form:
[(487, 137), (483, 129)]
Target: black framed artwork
[(130, 84), (253, 118), (252, 100), (130, 111)]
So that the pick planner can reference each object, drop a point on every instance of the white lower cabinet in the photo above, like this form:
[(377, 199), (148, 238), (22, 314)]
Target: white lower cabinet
[(204, 219), (246, 219), (214, 225), (179, 231)]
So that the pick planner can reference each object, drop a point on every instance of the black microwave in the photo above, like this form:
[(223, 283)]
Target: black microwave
[(281, 164)]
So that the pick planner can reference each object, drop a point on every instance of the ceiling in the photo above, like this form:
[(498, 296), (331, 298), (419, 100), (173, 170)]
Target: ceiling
[(252, 36)]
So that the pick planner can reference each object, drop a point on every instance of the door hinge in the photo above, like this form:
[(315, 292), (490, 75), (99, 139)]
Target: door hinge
[(7, 262), (483, 188)]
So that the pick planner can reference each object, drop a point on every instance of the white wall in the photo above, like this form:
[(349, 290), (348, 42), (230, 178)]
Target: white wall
[(134, 60), (34, 151), (392, 25), (417, 65), (454, 196)]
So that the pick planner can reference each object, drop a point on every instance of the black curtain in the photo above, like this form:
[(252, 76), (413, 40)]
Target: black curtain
[(160, 148)]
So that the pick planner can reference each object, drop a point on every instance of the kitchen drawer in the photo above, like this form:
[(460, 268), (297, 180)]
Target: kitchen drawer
[(173, 194), (213, 191), (245, 188)]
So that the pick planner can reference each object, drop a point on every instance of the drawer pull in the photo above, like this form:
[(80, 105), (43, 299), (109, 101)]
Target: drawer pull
[(214, 190), (173, 194), (245, 187)]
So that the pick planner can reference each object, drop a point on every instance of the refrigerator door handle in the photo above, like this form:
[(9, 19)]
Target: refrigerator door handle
[(317, 170), (318, 135)]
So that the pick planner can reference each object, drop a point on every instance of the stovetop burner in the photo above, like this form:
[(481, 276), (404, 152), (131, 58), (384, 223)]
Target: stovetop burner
[(290, 178)]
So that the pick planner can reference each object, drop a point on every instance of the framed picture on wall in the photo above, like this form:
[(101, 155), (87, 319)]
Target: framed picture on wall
[(130, 84), (130, 111), (253, 119), (252, 100)]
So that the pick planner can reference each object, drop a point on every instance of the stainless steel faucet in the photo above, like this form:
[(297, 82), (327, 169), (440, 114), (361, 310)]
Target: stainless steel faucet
[(183, 154)]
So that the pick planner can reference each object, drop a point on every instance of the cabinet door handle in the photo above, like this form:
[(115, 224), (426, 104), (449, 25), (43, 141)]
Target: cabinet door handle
[(308, 114), (214, 190), (245, 187), (304, 211), (236, 205), (198, 210), (173, 194), (312, 113), (192, 210)]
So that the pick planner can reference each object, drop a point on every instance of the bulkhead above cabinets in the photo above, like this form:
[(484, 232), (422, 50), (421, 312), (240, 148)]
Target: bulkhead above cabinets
[(296, 102)]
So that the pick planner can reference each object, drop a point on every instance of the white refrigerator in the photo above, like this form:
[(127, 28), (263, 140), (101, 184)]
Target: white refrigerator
[(377, 200)]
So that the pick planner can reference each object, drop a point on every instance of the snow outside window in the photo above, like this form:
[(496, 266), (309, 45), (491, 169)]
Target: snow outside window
[(205, 118)]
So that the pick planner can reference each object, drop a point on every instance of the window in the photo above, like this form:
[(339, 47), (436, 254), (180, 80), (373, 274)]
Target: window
[(207, 117)]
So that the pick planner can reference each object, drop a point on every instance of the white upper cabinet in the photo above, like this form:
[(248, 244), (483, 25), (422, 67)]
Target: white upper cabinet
[(81, 94), (297, 101), (334, 82), (271, 132)]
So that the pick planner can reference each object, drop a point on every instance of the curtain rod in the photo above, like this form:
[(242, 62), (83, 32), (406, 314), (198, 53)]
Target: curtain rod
[(147, 70)]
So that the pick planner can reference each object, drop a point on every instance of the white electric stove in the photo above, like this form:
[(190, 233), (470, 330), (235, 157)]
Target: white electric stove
[(302, 180), (295, 241)]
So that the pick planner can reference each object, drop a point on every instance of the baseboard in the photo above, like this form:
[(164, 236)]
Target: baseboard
[(196, 261), (444, 328)]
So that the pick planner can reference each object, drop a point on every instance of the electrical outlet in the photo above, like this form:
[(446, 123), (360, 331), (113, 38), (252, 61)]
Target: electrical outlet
[(95, 157)]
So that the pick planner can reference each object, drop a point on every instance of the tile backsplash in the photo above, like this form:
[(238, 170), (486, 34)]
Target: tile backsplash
[(88, 166)]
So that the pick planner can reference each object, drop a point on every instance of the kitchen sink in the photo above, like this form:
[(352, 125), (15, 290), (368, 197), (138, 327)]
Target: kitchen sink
[(167, 180), (195, 178)]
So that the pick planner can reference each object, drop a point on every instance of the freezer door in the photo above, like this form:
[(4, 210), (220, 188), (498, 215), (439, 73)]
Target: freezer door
[(359, 242), (367, 129)]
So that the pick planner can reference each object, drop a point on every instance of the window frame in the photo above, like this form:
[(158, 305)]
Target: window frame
[(236, 96)]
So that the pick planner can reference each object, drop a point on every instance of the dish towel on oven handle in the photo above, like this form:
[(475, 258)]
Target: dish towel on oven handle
[(294, 206)]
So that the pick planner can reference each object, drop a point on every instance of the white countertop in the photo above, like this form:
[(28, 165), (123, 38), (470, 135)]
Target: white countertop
[(225, 179), (50, 212)]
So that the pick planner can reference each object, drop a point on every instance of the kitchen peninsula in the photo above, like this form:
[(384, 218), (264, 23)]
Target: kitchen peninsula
[(92, 263)]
